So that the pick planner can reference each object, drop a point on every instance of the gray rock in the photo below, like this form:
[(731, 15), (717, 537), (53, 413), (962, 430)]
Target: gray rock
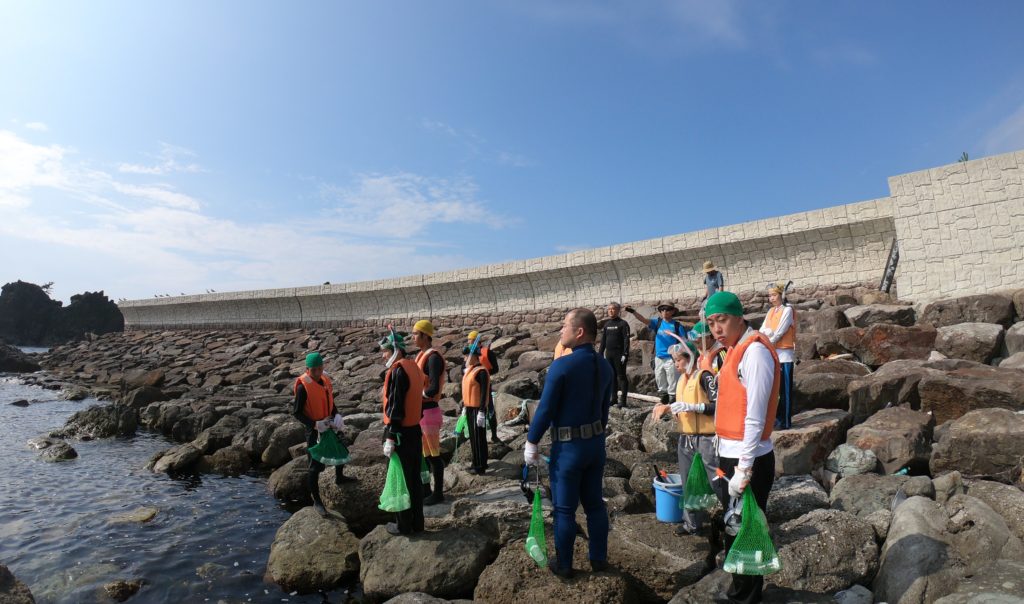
[(794, 496), (984, 308), (255, 438), (288, 483), (416, 598), (1014, 361), (803, 448), (879, 521), (893, 384), (176, 459), (390, 565), (284, 436), (840, 366), (659, 435), (53, 449), (984, 443), (919, 486), (1001, 582), (659, 562), (102, 421), (899, 438), (947, 486), (1006, 500), (214, 438), (979, 342), (1013, 341), (524, 385), (865, 494), (710, 588), (864, 316), (825, 551), (358, 500), (952, 393), (13, 591), (229, 461), (821, 391), (121, 590), (848, 460), (312, 553), (829, 318), (858, 594)]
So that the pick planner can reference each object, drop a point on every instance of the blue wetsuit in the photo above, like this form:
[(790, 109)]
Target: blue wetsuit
[(570, 399)]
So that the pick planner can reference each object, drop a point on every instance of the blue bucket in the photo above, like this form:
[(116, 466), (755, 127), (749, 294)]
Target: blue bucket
[(666, 499)]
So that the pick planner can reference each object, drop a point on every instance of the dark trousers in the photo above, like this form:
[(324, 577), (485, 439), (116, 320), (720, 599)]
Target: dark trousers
[(477, 438), (786, 397), (620, 381), (577, 471), (315, 467), (746, 588), (410, 453)]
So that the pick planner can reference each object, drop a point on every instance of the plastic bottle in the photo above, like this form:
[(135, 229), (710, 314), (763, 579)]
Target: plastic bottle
[(535, 551)]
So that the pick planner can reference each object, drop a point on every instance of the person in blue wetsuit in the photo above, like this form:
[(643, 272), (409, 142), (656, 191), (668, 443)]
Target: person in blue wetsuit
[(574, 405)]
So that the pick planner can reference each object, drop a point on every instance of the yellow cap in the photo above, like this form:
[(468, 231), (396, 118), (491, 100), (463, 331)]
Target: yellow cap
[(473, 335), (424, 326)]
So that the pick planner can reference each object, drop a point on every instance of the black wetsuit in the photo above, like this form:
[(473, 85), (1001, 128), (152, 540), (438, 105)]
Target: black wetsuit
[(615, 348)]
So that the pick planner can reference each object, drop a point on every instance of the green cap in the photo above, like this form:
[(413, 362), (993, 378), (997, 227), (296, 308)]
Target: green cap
[(723, 303), (700, 329), (314, 359), (391, 341)]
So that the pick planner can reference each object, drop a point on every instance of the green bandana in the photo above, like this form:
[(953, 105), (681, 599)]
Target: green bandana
[(723, 303), (314, 359)]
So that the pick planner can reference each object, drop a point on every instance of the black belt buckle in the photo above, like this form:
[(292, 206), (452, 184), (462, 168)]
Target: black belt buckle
[(598, 428), (565, 434), (586, 431)]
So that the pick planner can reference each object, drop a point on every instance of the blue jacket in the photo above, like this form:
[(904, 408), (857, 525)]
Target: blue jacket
[(569, 398)]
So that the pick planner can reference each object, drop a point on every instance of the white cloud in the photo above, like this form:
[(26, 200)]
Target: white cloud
[(85, 229), (1007, 135), (37, 126), (170, 159), (477, 146)]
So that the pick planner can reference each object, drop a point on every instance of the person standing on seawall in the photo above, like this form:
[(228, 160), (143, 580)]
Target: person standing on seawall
[(432, 364), (574, 405), (714, 282), (615, 350), (314, 407), (663, 326), (748, 395), (780, 327)]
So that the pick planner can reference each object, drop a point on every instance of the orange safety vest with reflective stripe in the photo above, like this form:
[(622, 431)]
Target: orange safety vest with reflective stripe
[(788, 339), (731, 408), (319, 399), (413, 398), (688, 390), (421, 361), (471, 395)]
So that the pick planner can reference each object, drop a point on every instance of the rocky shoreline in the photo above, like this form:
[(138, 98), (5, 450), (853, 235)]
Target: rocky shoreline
[(893, 403)]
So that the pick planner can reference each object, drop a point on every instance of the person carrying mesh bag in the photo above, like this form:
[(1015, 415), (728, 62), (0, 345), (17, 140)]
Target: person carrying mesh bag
[(694, 413), (748, 396)]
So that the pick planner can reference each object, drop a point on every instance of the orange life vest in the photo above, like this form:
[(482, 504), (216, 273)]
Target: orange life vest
[(413, 398), (788, 339), (421, 361), (731, 409), (688, 390), (319, 399), (471, 395), (561, 351)]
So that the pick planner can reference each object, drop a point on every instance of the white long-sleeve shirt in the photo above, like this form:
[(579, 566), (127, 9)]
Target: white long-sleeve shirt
[(757, 374), (786, 355)]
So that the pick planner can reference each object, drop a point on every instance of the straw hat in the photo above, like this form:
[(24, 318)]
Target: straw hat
[(667, 305), (709, 266)]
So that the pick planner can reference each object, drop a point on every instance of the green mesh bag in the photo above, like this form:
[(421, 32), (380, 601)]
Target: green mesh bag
[(697, 492), (395, 497), (462, 426), (752, 553), (424, 471), (536, 542), (329, 450)]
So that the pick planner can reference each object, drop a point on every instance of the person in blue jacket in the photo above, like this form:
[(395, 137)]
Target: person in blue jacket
[(574, 405)]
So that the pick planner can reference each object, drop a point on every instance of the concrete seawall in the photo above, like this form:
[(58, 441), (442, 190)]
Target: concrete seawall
[(961, 222)]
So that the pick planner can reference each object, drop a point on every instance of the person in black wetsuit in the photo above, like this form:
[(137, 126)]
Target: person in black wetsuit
[(615, 348), (314, 407)]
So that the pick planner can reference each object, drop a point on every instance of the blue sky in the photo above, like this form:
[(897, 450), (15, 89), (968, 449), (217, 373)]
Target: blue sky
[(164, 147)]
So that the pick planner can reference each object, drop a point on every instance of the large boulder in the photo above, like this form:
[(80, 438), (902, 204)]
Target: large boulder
[(254, 438), (13, 360), (659, 562), (311, 553), (54, 449), (829, 318), (1006, 500), (869, 314), (140, 378), (804, 447), (865, 494), (1013, 341), (841, 366), (358, 500), (892, 384), (229, 461), (13, 591), (979, 342), (848, 460), (283, 437), (794, 496), (821, 391), (983, 443), (102, 421), (984, 308), (825, 551), (949, 395), (882, 343), (523, 385), (288, 483), (176, 459), (899, 438), (513, 578), (535, 361), (1001, 582), (931, 547), (1014, 361), (659, 435), (446, 564)]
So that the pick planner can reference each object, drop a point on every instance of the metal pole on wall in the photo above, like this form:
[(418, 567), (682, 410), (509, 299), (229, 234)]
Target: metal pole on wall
[(890, 267)]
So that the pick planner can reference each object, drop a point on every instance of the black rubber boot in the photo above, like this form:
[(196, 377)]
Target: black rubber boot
[(437, 469)]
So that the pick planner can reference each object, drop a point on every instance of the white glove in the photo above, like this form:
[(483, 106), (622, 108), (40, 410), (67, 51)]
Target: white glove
[(339, 422), (687, 407), (463, 411), (530, 454), (481, 419), (739, 481), (323, 425), (623, 359), (389, 447)]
